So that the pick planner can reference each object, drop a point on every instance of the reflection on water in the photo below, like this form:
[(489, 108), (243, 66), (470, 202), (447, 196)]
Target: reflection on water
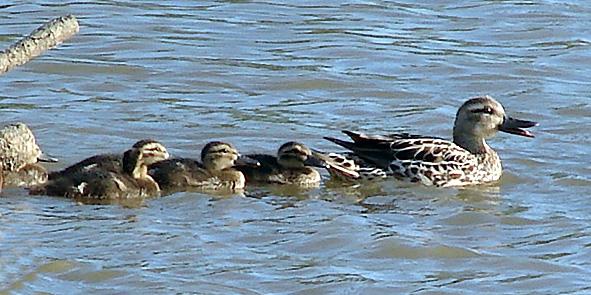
[(261, 73)]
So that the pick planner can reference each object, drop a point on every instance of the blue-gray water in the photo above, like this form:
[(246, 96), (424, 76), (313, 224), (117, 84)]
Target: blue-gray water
[(259, 73)]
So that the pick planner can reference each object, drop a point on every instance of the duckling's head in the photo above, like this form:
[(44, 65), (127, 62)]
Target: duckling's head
[(18, 147), (218, 155), (132, 162), (296, 155), (481, 117), (152, 151)]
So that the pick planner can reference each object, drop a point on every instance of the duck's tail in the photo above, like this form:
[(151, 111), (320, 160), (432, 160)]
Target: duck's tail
[(338, 165)]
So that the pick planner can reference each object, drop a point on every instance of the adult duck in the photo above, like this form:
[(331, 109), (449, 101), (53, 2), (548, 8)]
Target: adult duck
[(467, 160)]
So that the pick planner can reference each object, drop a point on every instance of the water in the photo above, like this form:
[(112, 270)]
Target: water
[(259, 73)]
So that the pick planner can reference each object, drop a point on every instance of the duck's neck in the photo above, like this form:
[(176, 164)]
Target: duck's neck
[(473, 144)]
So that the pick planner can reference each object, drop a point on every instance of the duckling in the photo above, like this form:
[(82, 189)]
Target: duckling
[(292, 165), (19, 157), (151, 149), (96, 182), (214, 172)]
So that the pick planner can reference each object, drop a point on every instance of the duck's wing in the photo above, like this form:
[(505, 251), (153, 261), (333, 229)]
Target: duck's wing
[(362, 137), (384, 150), (372, 149), (405, 156)]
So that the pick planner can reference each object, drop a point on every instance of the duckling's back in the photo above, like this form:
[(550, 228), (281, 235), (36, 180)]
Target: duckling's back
[(107, 162), (182, 174), (173, 174), (96, 184), (269, 170)]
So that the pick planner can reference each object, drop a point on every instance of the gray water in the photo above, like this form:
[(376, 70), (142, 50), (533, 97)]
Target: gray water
[(259, 73)]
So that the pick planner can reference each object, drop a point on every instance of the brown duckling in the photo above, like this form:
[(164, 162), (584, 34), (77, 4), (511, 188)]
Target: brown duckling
[(293, 165), (130, 180), (215, 171), (112, 162)]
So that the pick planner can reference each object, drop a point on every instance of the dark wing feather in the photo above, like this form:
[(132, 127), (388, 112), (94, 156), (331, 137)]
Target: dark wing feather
[(362, 137), (375, 151)]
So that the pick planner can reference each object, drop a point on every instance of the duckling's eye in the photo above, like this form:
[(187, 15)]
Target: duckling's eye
[(486, 110)]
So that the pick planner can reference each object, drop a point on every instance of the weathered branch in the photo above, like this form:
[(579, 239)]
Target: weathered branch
[(45, 37)]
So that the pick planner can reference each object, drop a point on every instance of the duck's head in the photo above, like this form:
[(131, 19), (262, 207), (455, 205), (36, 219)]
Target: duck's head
[(152, 151), (19, 148), (481, 117), (218, 155), (296, 155)]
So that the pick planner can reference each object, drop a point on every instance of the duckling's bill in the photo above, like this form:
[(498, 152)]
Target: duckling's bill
[(317, 159), (246, 161), (47, 158)]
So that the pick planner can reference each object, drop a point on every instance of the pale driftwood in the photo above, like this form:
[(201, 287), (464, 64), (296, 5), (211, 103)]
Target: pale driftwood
[(45, 37)]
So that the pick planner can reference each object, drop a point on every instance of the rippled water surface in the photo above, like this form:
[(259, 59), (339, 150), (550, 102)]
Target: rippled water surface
[(259, 73)]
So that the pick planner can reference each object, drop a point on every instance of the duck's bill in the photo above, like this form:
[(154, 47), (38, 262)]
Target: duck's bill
[(516, 126), (46, 158), (246, 161)]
